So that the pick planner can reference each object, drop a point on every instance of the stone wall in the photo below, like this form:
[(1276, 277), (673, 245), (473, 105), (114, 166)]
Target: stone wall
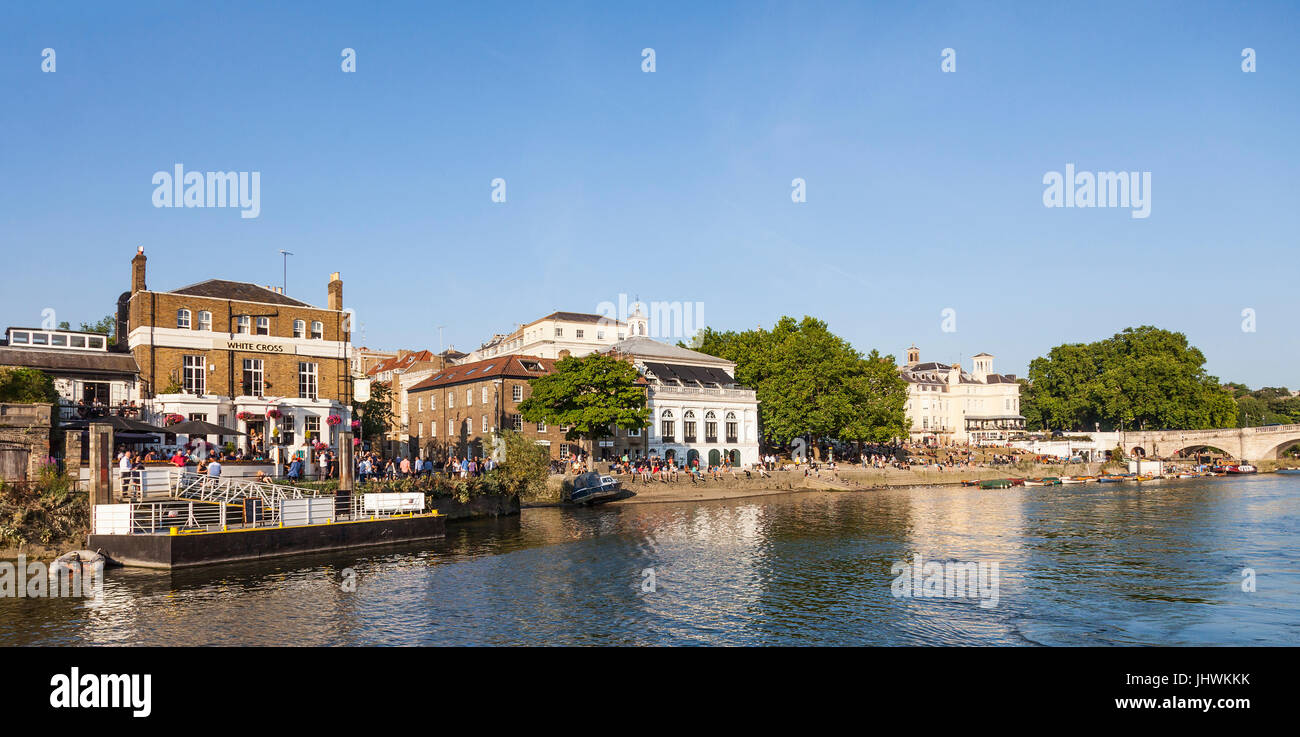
[(488, 505), (27, 427)]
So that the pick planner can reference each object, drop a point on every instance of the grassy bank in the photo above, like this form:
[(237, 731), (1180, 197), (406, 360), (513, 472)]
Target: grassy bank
[(43, 518)]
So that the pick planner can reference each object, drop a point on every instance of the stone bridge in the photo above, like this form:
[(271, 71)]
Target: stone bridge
[(1244, 443)]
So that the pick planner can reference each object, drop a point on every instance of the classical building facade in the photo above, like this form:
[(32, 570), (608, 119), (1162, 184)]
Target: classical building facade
[(242, 356), (948, 405), (561, 333), (458, 410), (697, 410)]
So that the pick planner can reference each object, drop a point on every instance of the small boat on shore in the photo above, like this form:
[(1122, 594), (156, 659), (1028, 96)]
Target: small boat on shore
[(1111, 479), (1078, 479), (593, 488), (78, 559), (1044, 481), (1242, 469), (996, 484)]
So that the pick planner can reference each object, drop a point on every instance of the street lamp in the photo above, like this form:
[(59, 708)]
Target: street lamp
[(285, 284)]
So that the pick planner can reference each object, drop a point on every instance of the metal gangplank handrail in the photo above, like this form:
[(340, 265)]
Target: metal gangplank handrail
[(200, 487)]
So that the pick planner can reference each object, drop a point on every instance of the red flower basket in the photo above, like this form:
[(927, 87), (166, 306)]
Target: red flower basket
[(244, 416), (333, 420), (173, 419), (274, 414)]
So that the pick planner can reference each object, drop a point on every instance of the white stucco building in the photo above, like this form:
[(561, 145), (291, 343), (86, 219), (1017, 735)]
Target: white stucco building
[(697, 410), (578, 333), (947, 405)]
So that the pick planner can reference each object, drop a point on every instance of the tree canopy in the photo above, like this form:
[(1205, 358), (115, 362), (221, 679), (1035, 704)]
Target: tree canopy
[(590, 395), (376, 414), (813, 383), (1141, 376), (26, 386)]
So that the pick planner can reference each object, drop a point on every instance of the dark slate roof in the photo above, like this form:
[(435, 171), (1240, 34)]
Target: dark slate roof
[(575, 317), (689, 374), (70, 360), (239, 291)]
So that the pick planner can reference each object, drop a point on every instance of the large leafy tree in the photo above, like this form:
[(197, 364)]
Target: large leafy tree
[(1142, 376), (376, 414), (590, 395), (813, 383), (27, 386), (106, 325)]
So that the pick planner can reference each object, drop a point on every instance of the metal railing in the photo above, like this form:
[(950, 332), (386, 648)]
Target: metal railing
[(201, 487)]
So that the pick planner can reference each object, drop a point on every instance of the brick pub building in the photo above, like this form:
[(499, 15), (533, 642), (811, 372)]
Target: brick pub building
[(236, 354)]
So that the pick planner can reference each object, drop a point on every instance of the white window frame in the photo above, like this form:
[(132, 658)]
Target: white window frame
[(183, 319), (308, 380), (263, 326), (317, 330), (243, 325), (300, 328), (194, 378)]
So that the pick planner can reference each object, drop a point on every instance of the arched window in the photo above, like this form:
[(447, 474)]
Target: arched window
[(317, 330), (710, 415), (731, 415), (300, 328), (183, 319), (667, 414), (205, 320), (690, 414)]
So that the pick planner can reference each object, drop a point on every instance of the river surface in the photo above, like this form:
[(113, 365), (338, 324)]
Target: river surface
[(1098, 564)]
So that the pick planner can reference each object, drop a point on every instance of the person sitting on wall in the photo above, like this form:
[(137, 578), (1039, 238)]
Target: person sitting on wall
[(295, 470)]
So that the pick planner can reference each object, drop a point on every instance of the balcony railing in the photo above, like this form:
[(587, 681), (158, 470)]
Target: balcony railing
[(707, 391), (710, 438), (733, 439)]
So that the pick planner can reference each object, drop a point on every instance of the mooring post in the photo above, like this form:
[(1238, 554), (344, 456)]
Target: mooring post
[(345, 460), (101, 464)]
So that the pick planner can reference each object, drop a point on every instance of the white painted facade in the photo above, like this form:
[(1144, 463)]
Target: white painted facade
[(947, 405), (575, 332), (720, 407)]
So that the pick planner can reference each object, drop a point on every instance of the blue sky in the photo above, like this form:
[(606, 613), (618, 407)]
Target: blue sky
[(924, 189)]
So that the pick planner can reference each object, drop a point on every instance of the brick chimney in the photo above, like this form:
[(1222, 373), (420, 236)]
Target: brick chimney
[(137, 271), (336, 292)]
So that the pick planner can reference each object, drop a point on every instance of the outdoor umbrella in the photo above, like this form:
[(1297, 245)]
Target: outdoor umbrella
[(126, 424), (199, 427)]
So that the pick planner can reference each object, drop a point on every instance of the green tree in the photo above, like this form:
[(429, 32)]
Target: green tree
[(1142, 376), (26, 386), (526, 465), (376, 414), (813, 383), (106, 326), (590, 395)]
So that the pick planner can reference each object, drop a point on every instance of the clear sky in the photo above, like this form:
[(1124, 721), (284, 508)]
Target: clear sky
[(924, 188)]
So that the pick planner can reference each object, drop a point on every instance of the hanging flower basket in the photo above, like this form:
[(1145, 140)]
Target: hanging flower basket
[(356, 442), (333, 420), (244, 416), (274, 414), (356, 424), (319, 446), (173, 419)]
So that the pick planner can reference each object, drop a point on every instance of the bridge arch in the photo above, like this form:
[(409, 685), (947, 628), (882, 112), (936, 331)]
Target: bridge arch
[(1279, 450)]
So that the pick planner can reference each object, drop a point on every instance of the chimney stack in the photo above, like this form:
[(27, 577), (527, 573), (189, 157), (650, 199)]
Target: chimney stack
[(336, 292), (137, 271)]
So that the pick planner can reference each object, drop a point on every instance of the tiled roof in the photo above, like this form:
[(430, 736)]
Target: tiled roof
[(238, 291), (512, 366), (575, 317), (401, 362)]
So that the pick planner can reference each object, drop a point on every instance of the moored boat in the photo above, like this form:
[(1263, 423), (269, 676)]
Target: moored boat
[(593, 488), (1244, 468), (1110, 479), (995, 484)]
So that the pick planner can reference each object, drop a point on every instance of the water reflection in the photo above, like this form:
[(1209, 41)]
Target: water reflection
[(1097, 564)]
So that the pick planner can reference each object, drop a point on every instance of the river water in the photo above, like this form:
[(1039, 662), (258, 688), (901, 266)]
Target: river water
[(1115, 564)]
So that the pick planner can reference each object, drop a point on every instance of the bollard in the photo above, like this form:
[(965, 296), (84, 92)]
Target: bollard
[(172, 530)]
